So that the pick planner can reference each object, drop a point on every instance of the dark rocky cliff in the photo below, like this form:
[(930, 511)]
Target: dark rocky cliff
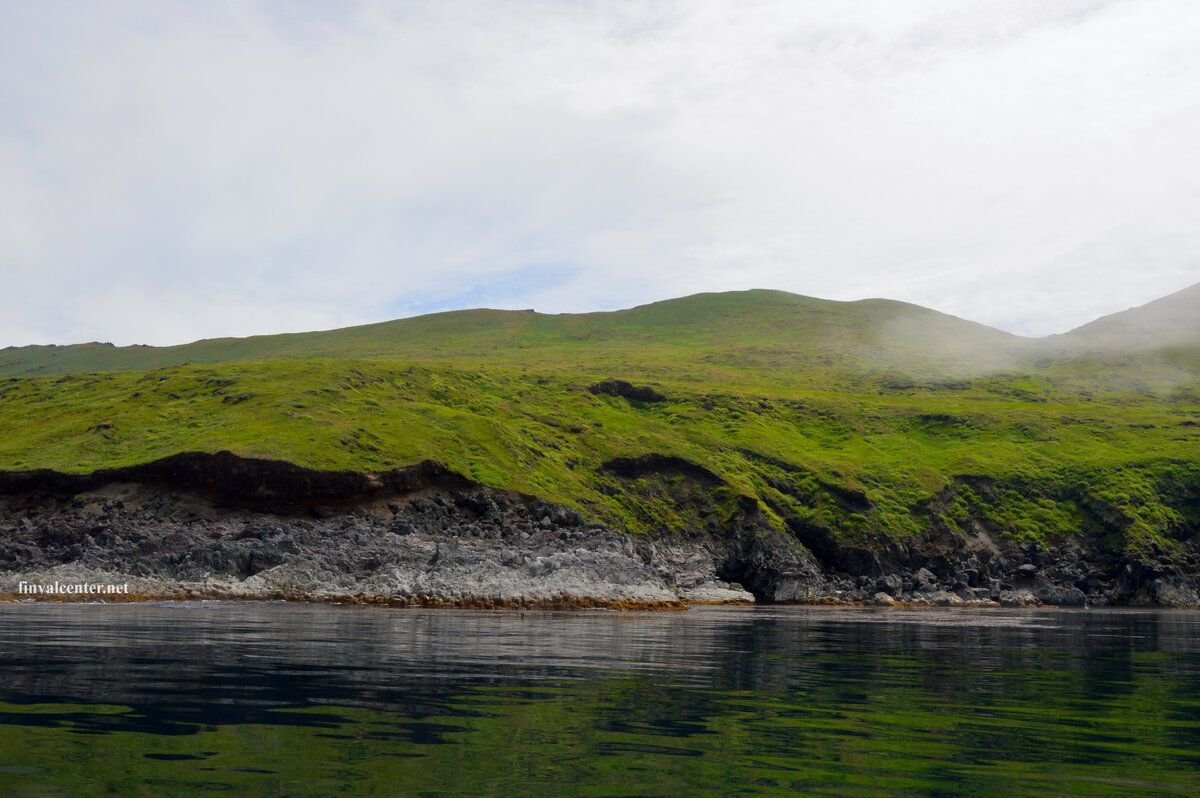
[(220, 525)]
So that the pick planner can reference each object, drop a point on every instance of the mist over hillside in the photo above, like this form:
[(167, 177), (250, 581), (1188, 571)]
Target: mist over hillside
[(1173, 320), (774, 331)]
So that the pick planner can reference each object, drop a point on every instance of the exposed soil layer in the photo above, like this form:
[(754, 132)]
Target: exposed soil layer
[(227, 479), (637, 393)]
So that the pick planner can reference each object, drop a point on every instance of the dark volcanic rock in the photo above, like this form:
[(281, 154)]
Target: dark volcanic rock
[(228, 526), (476, 547), (891, 584), (773, 566)]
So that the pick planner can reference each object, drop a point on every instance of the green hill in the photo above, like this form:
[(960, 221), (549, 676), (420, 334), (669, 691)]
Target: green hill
[(1171, 321), (1151, 349), (769, 329), (873, 420)]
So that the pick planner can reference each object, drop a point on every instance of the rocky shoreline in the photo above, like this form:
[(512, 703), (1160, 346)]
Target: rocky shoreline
[(215, 526), (429, 548)]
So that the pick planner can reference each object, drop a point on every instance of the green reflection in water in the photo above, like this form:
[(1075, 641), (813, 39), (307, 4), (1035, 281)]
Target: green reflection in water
[(785, 705), (626, 736)]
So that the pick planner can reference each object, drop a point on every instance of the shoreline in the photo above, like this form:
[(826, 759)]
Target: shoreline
[(570, 604), (465, 603)]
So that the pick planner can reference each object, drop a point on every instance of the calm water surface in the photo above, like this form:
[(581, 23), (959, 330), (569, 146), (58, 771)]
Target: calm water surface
[(276, 699)]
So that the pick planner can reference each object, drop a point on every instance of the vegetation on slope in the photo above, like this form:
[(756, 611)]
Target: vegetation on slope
[(812, 338), (862, 421)]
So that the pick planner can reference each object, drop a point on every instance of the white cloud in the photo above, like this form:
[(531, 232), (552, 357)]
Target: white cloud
[(177, 170)]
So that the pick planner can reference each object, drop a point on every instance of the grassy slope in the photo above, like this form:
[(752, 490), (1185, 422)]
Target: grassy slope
[(749, 328), (867, 419), (1170, 320)]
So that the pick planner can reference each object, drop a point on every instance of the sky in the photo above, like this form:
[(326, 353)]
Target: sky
[(178, 170)]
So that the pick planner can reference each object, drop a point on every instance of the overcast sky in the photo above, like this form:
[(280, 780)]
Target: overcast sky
[(177, 170)]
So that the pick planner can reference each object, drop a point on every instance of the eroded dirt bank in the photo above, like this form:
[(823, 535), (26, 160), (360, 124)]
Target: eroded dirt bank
[(199, 525)]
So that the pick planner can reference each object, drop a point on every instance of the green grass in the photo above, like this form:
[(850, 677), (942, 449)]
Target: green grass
[(873, 420), (751, 328)]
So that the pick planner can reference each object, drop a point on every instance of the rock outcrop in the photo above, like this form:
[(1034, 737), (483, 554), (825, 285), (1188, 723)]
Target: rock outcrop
[(199, 525)]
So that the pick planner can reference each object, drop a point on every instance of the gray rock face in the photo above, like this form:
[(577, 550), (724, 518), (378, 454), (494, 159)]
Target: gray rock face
[(1060, 596), (1167, 592), (477, 548), (438, 542), (944, 599), (1018, 598), (891, 585)]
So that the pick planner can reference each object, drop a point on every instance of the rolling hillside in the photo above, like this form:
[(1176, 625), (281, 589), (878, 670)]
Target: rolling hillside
[(769, 329), (871, 421), (1152, 349), (1172, 321)]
